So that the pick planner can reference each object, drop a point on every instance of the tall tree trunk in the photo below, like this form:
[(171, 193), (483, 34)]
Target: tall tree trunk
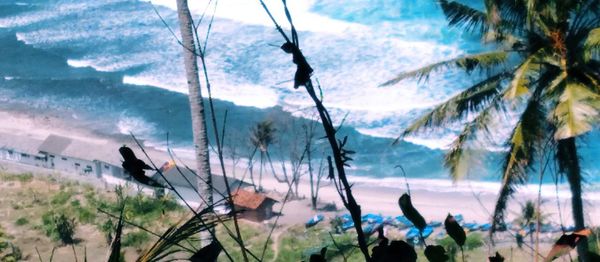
[(251, 168), (313, 198), (262, 156), (569, 165), (196, 103)]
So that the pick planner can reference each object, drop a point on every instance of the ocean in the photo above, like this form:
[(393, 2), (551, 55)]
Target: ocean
[(113, 67)]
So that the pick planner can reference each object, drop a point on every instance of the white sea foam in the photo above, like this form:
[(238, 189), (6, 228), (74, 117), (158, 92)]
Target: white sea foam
[(20, 37), (252, 13), (246, 70), (79, 63), (148, 81), (129, 124), (239, 94)]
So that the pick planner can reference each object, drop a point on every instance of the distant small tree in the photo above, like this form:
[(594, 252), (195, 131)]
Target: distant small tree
[(234, 152), (262, 136), (65, 228), (314, 177), (529, 217)]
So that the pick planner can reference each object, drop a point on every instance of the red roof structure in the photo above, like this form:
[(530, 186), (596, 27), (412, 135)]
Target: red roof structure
[(249, 200)]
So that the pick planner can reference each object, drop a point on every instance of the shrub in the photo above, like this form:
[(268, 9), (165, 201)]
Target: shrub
[(107, 229), (135, 239), (59, 227), (9, 252), (61, 197), (474, 241), (75, 203), (23, 178), (21, 221), (65, 228), (85, 215)]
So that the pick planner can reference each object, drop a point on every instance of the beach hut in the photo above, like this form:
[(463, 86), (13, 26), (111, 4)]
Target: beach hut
[(253, 206)]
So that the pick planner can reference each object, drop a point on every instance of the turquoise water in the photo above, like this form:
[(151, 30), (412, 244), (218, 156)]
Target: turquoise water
[(113, 67)]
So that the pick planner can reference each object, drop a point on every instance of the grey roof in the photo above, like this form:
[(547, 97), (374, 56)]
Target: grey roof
[(19, 143), (80, 149), (176, 179), (54, 144)]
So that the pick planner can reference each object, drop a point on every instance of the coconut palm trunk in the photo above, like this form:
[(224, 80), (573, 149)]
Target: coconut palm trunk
[(569, 164), (196, 103)]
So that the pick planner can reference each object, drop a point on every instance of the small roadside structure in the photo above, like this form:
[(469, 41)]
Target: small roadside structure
[(253, 206), (185, 182)]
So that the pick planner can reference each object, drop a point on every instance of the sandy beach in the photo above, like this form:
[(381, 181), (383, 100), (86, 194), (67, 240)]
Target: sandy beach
[(433, 198)]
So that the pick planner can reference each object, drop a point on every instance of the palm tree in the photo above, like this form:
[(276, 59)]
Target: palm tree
[(545, 69), (262, 136), (196, 102)]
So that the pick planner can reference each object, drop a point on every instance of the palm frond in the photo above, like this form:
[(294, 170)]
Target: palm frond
[(527, 134), (464, 16), (458, 156), (592, 44), (470, 100), (467, 63), (576, 110), (185, 230), (513, 14), (493, 12), (520, 83)]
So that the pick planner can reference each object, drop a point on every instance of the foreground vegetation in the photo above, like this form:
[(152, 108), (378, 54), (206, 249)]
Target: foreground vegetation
[(41, 210), (49, 212)]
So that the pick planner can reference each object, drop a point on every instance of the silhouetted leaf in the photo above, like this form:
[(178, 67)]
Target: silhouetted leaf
[(115, 246), (455, 231), (593, 256), (208, 253), (397, 251), (135, 167), (496, 258), (566, 243), (411, 213), (436, 254), (319, 257)]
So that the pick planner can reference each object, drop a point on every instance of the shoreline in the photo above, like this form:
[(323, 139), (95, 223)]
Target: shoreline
[(434, 198)]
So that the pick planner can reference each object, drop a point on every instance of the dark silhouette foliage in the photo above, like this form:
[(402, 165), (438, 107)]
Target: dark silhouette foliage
[(496, 258), (209, 253), (566, 243), (303, 69), (135, 167), (436, 254), (455, 231), (411, 212)]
